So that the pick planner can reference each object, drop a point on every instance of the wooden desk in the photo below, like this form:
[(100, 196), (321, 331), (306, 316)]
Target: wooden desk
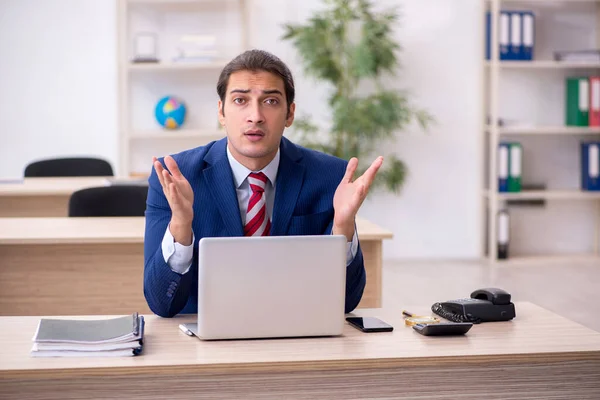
[(539, 355), (44, 197), (81, 266)]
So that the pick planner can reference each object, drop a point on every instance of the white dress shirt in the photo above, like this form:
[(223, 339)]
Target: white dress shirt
[(179, 257)]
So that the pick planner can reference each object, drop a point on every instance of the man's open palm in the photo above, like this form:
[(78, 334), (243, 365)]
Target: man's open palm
[(351, 193), (177, 189)]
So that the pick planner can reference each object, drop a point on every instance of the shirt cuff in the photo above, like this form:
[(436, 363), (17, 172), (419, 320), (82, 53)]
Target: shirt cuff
[(351, 248), (177, 256)]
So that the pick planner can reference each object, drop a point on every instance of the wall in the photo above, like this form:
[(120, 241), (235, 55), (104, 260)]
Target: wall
[(58, 79)]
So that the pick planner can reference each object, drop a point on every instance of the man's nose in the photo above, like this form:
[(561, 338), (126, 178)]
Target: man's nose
[(255, 115)]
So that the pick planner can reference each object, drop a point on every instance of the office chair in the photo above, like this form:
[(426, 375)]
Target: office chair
[(77, 166), (109, 201)]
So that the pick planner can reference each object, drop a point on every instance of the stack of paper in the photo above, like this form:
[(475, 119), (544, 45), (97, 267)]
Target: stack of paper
[(117, 337)]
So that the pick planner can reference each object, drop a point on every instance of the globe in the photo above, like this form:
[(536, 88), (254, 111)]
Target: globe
[(170, 112)]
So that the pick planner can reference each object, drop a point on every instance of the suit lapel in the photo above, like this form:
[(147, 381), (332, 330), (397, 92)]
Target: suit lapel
[(219, 178), (290, 177)]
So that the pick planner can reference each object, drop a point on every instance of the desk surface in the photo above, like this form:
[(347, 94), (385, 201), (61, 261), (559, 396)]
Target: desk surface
[(50, 186), (536, 335), (108, 230)]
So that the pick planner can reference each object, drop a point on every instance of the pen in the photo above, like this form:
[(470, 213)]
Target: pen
[(407, 314), (185, 330)]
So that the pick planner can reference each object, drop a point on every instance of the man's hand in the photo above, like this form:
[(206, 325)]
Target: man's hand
[(350, 195), (180, 196)]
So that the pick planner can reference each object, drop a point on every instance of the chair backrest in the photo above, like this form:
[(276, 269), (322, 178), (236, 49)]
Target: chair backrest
[(109, 201), (79, 166)]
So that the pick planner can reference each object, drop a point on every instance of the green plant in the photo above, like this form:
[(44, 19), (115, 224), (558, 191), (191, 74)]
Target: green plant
[(348, 45)]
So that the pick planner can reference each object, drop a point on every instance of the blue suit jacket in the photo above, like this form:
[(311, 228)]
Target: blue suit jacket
[(303, 205)]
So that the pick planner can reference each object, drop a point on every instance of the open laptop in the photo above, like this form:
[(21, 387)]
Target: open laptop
[(270, 287)]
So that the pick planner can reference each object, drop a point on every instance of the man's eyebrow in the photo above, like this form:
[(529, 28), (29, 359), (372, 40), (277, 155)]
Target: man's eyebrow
[(271, 91)]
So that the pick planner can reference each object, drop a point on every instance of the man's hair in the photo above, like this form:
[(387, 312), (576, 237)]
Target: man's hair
[(257, 60)]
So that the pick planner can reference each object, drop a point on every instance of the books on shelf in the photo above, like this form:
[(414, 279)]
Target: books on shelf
[(510, 163), (115, 337), (516, 35)]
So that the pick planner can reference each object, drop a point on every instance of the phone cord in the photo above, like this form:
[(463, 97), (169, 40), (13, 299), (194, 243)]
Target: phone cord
[(438, 309)]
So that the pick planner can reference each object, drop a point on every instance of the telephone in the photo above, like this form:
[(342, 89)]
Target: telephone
[(484, 305)]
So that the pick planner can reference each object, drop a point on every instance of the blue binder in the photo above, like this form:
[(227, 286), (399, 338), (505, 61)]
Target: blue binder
[(528, 35), (590, 166), (503, 29), (503, 166), (516, 36)]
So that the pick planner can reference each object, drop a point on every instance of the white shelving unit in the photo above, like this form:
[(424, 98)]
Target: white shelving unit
[(494, 71), (142, 85)]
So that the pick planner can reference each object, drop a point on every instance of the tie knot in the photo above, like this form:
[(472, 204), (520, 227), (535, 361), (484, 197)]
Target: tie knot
[(257, 182)]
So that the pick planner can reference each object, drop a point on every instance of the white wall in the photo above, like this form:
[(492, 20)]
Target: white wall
[(58, 83)]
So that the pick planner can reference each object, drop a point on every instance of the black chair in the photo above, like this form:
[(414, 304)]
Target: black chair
[(109, 201), (79, 166)]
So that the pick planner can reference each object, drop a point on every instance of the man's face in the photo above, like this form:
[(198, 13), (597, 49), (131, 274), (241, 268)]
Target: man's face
[(254, 115)]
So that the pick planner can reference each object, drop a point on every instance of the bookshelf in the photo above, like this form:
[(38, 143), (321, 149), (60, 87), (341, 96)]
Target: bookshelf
[(224, 23), (526, 79)]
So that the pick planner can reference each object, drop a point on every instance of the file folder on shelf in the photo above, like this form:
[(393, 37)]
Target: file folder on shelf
[(577, 100), (594, 113), (503, 234), (590, 166), (516, 37), (515, 160), (503, 150), (528, 30)]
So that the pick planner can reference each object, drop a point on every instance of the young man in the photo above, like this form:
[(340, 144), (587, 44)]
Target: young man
[(253, 182)]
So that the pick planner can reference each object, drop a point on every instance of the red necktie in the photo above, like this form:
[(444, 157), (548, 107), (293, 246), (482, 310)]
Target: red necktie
[(257, 221)]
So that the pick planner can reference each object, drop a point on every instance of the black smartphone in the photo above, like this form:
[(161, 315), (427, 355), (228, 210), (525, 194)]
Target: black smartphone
[(369, 324)]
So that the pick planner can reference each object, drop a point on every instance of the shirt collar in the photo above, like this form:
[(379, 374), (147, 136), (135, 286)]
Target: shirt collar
[(240, 173)]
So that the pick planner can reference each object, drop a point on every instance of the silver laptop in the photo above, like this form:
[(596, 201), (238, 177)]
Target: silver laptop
[(270, 287)]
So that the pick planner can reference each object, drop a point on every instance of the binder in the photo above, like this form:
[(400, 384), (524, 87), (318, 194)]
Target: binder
[(504, 36), (594, 113), (515, 161), (590, 166), (503, 234), (516, 36), (528, 28), (577, 101), (116, 337), (503, 149), (503, 29)]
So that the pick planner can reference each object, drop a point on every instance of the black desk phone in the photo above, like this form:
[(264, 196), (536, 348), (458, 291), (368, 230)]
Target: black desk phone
[(484, 305)]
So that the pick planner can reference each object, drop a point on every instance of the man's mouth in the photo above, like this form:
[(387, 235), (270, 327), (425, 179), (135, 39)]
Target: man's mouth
[(254, 135), (254, 132)]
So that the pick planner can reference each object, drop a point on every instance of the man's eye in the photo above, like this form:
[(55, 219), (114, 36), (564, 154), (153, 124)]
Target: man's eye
[(271, 101), (238, 100)]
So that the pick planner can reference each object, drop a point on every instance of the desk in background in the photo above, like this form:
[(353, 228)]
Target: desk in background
[(81, 266), (539, 355), (45, 197)]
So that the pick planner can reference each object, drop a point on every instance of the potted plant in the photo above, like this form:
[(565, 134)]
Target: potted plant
[(347, 45)]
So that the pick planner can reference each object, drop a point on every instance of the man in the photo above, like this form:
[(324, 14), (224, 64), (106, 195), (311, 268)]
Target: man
[(253, 182)]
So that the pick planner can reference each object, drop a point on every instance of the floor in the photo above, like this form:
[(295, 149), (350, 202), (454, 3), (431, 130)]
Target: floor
[(569, 289)]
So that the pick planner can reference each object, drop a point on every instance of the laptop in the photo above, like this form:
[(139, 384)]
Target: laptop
[(270, 287)]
